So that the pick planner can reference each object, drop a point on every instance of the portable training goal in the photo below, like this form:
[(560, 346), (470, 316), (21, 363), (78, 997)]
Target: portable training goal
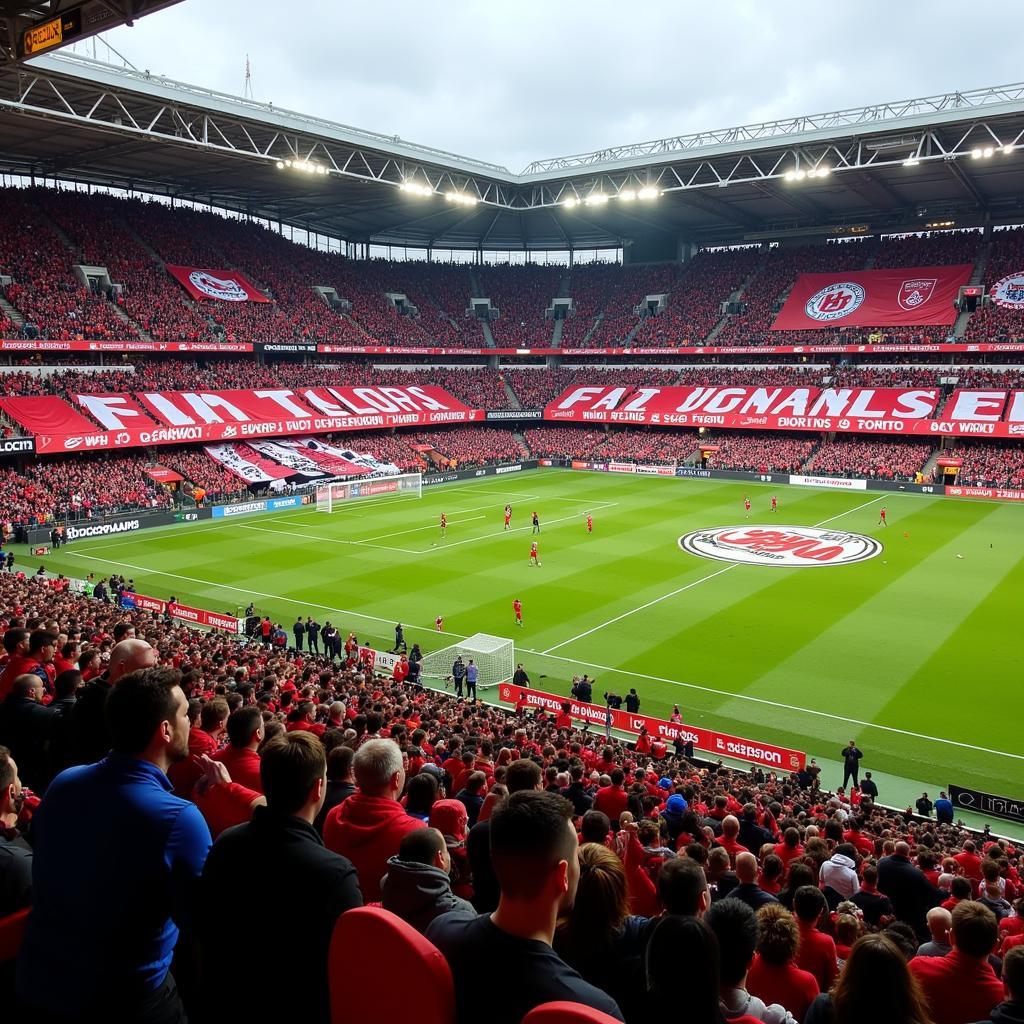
[(495, 656)]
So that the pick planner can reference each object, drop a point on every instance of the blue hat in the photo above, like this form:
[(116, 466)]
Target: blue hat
[(676, 804), (665, 783)]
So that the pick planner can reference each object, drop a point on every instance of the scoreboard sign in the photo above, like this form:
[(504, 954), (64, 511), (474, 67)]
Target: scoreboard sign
[(55, 32)]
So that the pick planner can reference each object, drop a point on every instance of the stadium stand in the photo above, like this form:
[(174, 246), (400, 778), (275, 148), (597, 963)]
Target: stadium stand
[(521, 294), (989, 465), (761, 454), (773, 837), (871, 457), (1000, 323)]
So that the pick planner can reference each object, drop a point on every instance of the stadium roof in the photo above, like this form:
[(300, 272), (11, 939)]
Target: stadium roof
[(955, 157)]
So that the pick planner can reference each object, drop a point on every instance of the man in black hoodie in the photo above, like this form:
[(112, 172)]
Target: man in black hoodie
[(417, 886)]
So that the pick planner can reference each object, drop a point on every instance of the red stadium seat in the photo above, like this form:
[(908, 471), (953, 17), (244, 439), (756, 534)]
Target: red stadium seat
[(370, 949), (12, 931), (566, 1013)]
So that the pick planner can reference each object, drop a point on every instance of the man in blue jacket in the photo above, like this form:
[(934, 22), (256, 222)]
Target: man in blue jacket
[(116, 858)]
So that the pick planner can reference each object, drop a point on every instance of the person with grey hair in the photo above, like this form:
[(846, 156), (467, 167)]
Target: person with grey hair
[(369, 826)]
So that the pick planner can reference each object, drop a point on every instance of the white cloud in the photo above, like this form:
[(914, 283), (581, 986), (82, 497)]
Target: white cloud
[(513, 82)]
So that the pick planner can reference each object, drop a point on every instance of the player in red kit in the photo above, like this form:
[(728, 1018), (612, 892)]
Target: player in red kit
[(746, 507), (881, 517), (508, 517), (775, 504), (534, 556), (439, 624), (444, 525), (517, 607), (590, 524)]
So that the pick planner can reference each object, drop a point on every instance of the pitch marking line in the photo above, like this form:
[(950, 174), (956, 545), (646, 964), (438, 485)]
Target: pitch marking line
[(272, 597), (688, 586), (772, 703)]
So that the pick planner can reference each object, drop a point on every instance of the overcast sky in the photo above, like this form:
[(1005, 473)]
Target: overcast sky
[(516, 81)]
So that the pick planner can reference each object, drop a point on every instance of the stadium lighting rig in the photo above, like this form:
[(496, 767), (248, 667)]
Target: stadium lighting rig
[(303, 166), (416, 189), (626, 195), (462, 198), (798, 174)]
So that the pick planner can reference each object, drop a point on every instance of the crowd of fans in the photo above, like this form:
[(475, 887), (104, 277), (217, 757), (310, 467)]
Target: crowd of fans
[(630, 878), (761, 453), (48, 230), (989, 464), (871, 457)]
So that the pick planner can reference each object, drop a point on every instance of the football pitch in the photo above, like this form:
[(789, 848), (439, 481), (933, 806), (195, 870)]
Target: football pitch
[(914, 651)]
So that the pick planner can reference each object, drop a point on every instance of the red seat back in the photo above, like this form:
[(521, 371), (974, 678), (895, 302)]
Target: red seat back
[(12, 931), (381, 971), (567, 1013)]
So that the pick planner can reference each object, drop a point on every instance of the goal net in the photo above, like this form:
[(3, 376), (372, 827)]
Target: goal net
[(495, 656), (342, 492)]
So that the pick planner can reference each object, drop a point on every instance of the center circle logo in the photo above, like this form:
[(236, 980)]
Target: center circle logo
[(217, 287), (787, 547), (835, 301)]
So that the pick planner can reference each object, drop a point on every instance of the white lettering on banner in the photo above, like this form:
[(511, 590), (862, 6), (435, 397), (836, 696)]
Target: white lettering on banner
[(102, 529), (835, 482), (508, 469), (110, 410)]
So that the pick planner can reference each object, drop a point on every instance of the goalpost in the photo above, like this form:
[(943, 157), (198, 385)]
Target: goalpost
[(341, 492), (494, 655)]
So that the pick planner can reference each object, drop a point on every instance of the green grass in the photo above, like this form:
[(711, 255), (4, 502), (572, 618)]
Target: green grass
[(916, 653)]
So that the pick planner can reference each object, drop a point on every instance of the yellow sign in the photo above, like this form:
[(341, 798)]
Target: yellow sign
[(43, 37)]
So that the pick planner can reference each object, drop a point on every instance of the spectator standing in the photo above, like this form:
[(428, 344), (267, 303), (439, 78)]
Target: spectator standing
[(817, 953), (961, 986), (851, 756), (418, 885), (25, 727), (944, 809), (522, 775), (341, 783), (1012, 1010), (472, 675), (748, 890), (534, 850), (368, 827), (774, 975), (119, 907), (245, 731), (293, 770), (940, 921), (911, 894)]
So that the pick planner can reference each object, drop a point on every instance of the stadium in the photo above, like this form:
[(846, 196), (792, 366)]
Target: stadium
[(374, 510)]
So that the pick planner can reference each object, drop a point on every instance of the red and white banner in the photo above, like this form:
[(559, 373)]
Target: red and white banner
[(204, 417), (163, 475), (839, 348), (988, 413), (990, 493), (43, 345), (716, 744), (196, 616), (335, 461), (906, 297), (220, 285), (247, 464)]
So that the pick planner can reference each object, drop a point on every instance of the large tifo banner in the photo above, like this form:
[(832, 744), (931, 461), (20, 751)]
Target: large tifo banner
[(989, 413), (263, 462), (873, 298), (715, 743), (183, 417), (222, 285)]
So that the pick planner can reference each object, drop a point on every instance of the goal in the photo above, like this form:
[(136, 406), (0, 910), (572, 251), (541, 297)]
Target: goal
[(333, 495), (495, 656)]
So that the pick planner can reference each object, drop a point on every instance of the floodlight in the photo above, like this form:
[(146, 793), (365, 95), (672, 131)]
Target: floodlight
[(975, 154), (627, 195), (911, 161), (280, 165), (987, 152), (571, 202), (1007, 149), (596, 199), (649, 192)]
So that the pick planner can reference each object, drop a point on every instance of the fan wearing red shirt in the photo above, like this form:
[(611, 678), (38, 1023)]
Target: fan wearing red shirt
[(790, 848), (961, 986), (368, 827), (612, 800), (245, 731), (206, 739), (774, 976), (817, 953), (863, 844), (970, 862), (728, 839)]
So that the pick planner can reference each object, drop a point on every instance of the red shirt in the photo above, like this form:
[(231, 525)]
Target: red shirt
[(788, 985), (787, 853), (612, 800), (185, 774), (243, 766), (733, 847), (861, 842), (817, 955), (970, 864), (958, 988)]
